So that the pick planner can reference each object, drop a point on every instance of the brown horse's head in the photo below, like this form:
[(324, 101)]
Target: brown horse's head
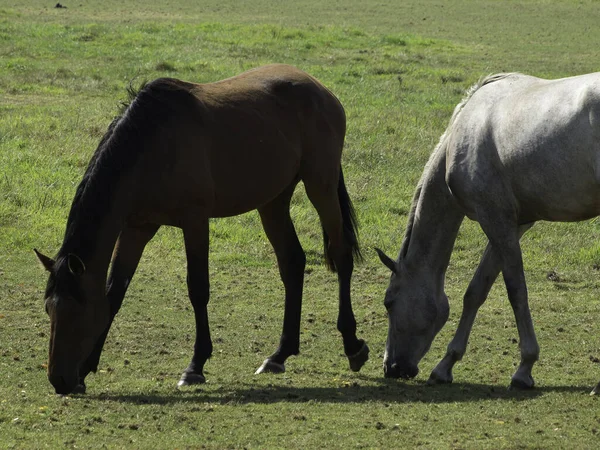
[(78, 313)]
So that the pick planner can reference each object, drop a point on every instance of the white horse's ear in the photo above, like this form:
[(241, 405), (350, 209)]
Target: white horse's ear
[(46, 261), (386, 260), (76, 265)]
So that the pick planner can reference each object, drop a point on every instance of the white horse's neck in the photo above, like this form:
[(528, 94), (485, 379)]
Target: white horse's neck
[(437, 218)]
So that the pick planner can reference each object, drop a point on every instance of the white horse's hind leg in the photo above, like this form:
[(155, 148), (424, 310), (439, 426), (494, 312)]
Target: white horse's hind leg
[(504, 238), (476, 295)]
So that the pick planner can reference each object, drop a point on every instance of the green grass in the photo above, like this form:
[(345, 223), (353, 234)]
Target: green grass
[(399, 71)]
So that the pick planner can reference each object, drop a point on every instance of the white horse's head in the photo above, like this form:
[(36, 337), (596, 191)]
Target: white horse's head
[(416, 313)]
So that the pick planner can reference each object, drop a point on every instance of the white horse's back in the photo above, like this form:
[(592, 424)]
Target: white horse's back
[(538, 139), (518, 149)]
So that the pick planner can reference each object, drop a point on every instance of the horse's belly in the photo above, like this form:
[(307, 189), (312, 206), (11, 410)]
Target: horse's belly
[(555, 179), (240, 189), (229, 204), (559, 203)]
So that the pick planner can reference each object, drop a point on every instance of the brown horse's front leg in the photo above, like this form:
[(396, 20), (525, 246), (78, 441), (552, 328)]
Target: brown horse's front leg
[(127, 254), (196, 248)]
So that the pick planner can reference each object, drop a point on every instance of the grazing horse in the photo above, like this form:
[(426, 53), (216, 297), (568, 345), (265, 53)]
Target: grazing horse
[(518, 149), (179, 154)]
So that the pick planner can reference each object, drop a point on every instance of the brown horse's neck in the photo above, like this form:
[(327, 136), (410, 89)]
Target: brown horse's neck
[(104, 234), (97, 216), (434, 223), (93, 242)]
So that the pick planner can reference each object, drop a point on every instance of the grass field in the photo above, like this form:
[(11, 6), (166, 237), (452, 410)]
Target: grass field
[(399, 70)]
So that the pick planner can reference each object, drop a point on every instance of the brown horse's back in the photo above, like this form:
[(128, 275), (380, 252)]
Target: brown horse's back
[(257, 132), (179, 154)]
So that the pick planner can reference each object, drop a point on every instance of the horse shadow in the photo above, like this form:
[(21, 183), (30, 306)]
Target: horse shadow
[(378, 390)]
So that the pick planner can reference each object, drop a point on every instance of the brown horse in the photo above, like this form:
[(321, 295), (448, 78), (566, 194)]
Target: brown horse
[(182, 153)]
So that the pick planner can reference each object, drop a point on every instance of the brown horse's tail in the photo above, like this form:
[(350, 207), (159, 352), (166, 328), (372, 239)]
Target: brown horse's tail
[(350, 225)]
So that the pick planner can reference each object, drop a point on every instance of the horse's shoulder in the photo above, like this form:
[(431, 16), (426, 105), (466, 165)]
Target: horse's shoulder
[(590, 92), (589, 102)]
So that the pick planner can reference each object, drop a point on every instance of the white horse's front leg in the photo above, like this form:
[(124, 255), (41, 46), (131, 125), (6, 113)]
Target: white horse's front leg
[(476, 295), (477, 292)]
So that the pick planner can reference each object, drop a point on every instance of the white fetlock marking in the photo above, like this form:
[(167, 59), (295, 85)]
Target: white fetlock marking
[(190, 380), (268, 366)]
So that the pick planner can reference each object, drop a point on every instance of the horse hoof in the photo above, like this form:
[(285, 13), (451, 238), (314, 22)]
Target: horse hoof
[(522, 384), (596, 390), (189, 378), (436, 378), (360, 358), (270, 367), (80, 388)]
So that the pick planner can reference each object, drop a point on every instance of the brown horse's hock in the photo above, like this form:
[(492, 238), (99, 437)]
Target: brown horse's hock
[(180, 154)]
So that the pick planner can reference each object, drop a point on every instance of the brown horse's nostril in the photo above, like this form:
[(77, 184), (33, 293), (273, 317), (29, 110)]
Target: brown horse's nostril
[(61, 386)]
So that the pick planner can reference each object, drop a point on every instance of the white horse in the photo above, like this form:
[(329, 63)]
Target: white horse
[(518, 149)]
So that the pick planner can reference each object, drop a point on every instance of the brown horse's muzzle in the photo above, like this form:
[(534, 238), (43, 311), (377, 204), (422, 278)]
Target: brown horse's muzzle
[(64, 384)]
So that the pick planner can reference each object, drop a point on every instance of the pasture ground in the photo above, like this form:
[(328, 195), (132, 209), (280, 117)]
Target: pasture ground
[(399, 70)]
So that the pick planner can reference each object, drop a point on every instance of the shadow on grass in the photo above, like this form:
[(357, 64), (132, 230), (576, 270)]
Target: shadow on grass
[(384, 391)]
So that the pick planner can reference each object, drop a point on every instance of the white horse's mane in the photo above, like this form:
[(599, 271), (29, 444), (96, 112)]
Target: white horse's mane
[(469, 93), (439, 147)]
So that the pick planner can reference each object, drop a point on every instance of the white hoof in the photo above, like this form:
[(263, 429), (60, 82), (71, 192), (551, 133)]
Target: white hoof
[(188, 379), (270, 367)]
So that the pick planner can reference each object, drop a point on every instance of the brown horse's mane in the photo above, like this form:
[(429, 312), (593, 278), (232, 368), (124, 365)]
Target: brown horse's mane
[(148, 108)]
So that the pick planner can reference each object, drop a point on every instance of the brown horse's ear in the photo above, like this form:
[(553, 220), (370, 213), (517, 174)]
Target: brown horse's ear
[(46, 261), (386, 260), (76, 265)]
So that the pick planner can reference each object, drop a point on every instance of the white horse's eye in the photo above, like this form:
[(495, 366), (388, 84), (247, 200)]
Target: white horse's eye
[(518, 149)]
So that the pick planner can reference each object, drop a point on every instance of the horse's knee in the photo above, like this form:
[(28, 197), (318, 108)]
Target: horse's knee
[(454, 353), (530, 352)]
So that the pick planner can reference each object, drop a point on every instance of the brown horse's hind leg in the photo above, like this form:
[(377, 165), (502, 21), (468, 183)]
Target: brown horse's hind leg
[(329, 202), (195, 234), (127, 254), (291, 259)]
